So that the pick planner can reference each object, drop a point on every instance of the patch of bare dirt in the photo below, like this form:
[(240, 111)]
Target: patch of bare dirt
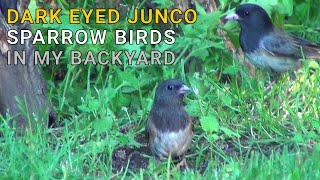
[(136, 157)]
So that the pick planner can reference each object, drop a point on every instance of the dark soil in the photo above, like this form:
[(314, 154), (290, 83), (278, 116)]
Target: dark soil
[(137, 157)]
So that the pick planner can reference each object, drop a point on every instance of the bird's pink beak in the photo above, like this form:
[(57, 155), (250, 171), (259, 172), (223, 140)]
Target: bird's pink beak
[(184, 89), (232, 16)]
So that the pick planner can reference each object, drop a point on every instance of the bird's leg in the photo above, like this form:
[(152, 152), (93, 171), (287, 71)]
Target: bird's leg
[(183, 163), (158, 160), (293, 80), (293, 76), (268, 88), (273, 78)]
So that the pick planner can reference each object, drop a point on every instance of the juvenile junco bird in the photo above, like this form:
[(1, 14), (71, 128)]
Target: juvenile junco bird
[(169, 127), (268, 47)]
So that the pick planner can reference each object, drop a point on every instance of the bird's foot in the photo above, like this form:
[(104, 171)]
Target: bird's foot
[(269, 87), (183, 163)]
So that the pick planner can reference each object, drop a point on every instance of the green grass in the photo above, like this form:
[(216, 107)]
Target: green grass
[(241, 131)]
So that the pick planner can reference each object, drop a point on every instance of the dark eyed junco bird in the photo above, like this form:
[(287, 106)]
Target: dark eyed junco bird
[(169, 127), (268, 47)]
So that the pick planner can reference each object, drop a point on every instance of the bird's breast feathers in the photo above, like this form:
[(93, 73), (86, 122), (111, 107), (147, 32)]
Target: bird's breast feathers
[(172, 142)]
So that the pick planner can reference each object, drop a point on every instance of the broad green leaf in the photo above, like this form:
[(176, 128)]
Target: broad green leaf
[(93, 105), (229, 132), (231, 70), (200, 9), (209, 123), (298, 138), (103, 125), (129, 78)]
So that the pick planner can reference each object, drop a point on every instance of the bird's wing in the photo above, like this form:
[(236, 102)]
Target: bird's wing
[(147, 129), (310, 50), (191, 121), (278, 43), (150, 129)]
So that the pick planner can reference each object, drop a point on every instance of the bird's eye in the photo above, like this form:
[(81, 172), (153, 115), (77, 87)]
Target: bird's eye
[(247, 13), (170, 87)]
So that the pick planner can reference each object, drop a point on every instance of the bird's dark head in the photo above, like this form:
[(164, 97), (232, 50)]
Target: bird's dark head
[(251, 17), (171, 91)]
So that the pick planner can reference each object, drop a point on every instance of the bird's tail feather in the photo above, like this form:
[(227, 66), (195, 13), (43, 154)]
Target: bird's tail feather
[(311, 50)]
